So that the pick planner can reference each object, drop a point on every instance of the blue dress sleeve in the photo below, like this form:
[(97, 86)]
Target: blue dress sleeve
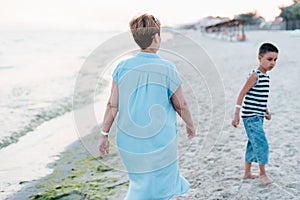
[(116, 73), (174, 82)]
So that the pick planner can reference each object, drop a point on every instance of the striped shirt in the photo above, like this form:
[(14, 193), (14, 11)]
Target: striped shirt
[(256, 99)]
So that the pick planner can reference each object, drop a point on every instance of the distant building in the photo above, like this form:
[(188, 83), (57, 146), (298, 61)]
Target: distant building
[(210, 20), (232, 30)]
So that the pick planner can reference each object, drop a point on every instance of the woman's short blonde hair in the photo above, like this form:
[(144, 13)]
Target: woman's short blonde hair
[(143, 28)]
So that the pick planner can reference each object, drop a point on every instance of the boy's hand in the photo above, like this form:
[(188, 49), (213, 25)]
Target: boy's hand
[(103, 146), (268, 116), (236, 120)]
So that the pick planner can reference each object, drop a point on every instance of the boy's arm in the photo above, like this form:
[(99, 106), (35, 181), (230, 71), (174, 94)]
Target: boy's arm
[(268, 114), (247, 86)]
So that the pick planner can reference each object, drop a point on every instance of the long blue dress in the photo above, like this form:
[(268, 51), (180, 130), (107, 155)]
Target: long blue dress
[(147, 127)]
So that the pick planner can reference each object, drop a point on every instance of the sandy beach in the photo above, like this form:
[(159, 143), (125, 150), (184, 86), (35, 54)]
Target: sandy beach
[(218, 174), (213, 162)]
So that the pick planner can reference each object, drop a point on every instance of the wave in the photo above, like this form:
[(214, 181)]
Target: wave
[(38, 119)]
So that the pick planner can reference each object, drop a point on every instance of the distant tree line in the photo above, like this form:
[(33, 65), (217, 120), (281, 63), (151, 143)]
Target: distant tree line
[(250, 18), (290, 18), (291, 15)]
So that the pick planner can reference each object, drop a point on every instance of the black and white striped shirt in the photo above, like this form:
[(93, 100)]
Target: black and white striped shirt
[(256, 99)]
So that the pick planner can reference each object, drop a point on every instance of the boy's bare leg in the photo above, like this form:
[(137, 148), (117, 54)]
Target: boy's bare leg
[(263, 176), (248, 174)]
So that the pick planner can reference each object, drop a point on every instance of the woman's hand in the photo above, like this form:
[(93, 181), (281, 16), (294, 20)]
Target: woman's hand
[(103, 146), (190, 130)]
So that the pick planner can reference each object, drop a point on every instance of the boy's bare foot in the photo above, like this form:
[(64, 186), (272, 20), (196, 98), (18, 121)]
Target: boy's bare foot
[(250, 176), (265, 179)]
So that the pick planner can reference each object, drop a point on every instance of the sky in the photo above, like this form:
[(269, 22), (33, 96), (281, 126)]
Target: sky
[(115, 14)]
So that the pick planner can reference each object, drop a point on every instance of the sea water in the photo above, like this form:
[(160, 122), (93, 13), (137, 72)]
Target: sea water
[(38, 70)]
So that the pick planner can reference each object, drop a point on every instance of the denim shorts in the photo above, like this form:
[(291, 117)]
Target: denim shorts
[(257, 149)]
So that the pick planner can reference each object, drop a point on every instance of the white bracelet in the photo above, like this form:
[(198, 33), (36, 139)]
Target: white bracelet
[(105, 133), (238, 106)]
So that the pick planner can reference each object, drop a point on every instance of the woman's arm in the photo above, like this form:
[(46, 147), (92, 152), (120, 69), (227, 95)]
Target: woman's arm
[(111, 108), (248, 85), (180, 105), (109, 117)]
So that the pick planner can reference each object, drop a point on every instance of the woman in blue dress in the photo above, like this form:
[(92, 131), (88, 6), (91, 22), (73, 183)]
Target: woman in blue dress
[(146, 93)]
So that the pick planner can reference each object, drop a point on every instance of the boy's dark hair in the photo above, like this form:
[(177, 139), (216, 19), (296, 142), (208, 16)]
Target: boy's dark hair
[(267, 47)]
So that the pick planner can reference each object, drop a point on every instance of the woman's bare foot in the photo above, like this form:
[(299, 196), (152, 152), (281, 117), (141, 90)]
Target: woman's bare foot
[(265, 179), (250, 176)]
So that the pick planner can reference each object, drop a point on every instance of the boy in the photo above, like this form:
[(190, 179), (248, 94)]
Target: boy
[(254, 110)]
